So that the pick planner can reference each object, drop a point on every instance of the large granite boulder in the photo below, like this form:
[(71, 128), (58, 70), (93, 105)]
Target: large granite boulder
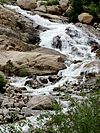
[(54, 9), (27, 4), (18, 26), (38, 62), (85, 18)]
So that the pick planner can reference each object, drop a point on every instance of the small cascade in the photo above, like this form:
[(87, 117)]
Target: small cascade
[(69, 40)]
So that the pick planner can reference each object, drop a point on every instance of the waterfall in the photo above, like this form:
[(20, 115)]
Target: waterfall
[(74, 44)]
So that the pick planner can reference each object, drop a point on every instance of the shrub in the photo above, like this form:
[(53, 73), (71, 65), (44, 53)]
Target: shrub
[(2, 1), (2, 82), (79, 6), (22, 72), (83, 117)]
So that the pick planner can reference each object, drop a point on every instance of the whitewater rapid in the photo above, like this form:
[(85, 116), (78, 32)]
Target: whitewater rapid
[(74, 46)]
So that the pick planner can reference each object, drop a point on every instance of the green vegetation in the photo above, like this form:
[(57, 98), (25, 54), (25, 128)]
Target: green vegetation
[(2, 82), (3, 1), (22, 72), (52, 2), (79, 6), (82, 117)]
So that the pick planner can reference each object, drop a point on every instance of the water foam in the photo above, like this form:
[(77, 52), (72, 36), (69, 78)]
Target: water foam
[(74, 46)]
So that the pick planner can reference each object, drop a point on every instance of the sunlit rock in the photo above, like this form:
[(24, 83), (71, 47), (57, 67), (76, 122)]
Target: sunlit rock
[(85, 18), (27, 4), (64, 4)]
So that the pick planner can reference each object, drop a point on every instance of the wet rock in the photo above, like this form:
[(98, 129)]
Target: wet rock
[(29, 82), (54, 18), (95, 47), (77, 61), (91, 74), (5, 112), (72, 33), (55, 93), (18, 90), (43, 80), (57, 43), (8, 102), (26, 111), (54, 78), (21, 104), (20, 117), (1, 117), (93, 66), (34, 39)]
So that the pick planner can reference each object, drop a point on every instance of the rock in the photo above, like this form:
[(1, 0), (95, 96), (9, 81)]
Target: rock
[(11, 43), (26, 63), (27, 4), (1, 117), (41, 102), (39, 3), (17, 26), (49, 16), (35, 39), (21, 104), (7, 17), (41, 8), (89, 29), (54, 9), (98, 53), (54, 78), (64, 4), (93, 66), (26, 111), (57, 43), (20, 117), (8, 102), (29, 82), (96, 48), (85, 18), (42, 80), (5, 112)]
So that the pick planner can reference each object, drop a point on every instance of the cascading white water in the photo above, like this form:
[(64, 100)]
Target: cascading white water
[(74, 46)]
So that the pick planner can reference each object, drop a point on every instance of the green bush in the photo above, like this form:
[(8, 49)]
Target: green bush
[(79, 6), (82, 117), (3, 1), (2, 82), (22, 72)]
